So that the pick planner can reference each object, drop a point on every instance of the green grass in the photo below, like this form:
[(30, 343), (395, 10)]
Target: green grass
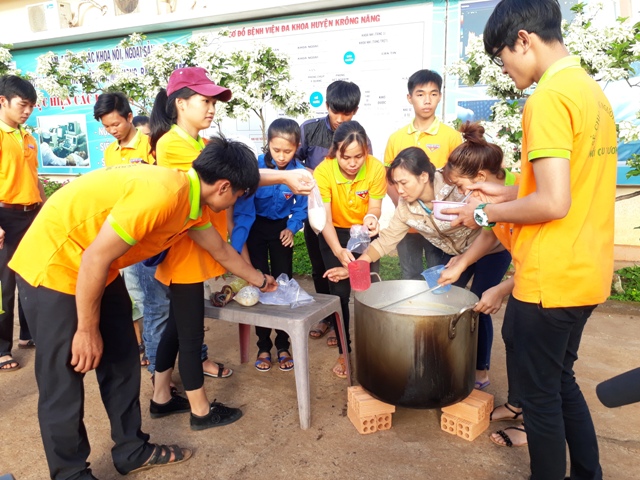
[(389, 266), (630, 277)]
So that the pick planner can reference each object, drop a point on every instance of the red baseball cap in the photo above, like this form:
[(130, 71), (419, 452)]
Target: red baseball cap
[(196, 79)]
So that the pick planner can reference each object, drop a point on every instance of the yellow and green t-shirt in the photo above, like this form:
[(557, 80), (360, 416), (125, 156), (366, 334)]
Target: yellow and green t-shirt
[(568, 262), (150, 208), (186, 261), (18, 166), (138, 150), (438, 141), (350, 198)]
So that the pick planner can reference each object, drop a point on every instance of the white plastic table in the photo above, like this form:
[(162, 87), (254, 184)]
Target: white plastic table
[(296, 322)]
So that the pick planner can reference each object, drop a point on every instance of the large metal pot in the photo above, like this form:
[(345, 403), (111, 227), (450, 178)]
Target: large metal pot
[(420, 353)]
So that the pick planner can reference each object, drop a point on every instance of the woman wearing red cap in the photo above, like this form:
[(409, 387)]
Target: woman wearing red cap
[(180, 112)]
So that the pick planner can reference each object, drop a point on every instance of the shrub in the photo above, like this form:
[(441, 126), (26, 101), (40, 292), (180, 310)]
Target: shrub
[(52, 186)]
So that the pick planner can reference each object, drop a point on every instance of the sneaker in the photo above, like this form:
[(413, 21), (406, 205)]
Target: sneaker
[(177, 404), (218, 416)]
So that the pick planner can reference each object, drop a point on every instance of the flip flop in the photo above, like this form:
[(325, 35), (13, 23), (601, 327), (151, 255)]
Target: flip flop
[(220, 372), (9, 362), (29, 344), (482, 385), (332, 339), (284, 359), (144, 360), (319, 330), (507, 439), (263, 361), (341, 362)]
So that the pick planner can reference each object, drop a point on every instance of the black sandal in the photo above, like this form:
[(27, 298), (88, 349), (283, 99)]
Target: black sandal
[(516, 415), (161, 456), (507, 439)]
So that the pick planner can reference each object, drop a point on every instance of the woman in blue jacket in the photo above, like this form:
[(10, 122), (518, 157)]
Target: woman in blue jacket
[(267, 222)]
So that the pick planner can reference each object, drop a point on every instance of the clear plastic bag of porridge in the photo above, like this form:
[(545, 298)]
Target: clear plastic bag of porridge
[(317, 213)]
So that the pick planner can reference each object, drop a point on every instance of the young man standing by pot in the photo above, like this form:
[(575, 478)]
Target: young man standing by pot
[(438, 140), (563, 214)]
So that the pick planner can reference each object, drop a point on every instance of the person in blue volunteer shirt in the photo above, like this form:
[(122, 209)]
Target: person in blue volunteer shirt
[(266, 222)]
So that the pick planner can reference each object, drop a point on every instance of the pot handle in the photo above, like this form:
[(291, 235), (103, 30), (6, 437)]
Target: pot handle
[(377, 275), (454, 321)]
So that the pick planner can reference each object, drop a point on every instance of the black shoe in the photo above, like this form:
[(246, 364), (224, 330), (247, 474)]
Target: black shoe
[(177, 404), (218, 416)]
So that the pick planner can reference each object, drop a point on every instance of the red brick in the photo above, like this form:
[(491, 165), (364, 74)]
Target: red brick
[(469, 409), (384, 421), (449, 423), (470, 431), (364, 404), (364, 425), (485, 398)]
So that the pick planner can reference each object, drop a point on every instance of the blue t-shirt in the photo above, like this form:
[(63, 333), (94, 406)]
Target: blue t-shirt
[(274, 202)]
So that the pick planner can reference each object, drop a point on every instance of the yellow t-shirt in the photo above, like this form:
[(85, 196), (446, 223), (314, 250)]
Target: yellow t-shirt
[(350, 198), (138, 150), (150, 208), (568, 262), (438, 141), (186, 261), (18, 166)]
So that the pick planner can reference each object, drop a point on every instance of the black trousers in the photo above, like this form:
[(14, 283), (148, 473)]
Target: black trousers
[(317, 263), (269, 255), (184, 334), (53, 320), (342, 288), (546, 342), (15, 224)]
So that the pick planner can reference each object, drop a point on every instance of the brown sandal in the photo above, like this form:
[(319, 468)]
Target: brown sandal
[(284, 357), (332, 339), (340, 362), (319, 329)]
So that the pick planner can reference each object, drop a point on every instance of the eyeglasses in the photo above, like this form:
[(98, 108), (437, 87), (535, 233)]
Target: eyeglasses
[(496, 59)]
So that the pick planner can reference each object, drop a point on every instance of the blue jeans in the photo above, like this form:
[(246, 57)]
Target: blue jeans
[(546, 342), (489, 272), (156, 312), (410, 251), (132, 282)]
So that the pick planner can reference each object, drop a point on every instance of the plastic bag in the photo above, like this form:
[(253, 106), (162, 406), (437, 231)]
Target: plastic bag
[(289, 292), (359, 240), (248, 296), (238, 284), (317, 213)]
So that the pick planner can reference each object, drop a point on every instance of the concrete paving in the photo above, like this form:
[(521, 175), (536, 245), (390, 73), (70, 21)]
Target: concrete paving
[(267, 442)]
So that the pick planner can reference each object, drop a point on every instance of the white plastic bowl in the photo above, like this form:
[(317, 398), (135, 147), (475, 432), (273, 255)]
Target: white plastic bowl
[(439, 205)]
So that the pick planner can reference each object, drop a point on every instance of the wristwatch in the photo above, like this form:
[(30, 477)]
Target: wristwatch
[(480, 216)]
